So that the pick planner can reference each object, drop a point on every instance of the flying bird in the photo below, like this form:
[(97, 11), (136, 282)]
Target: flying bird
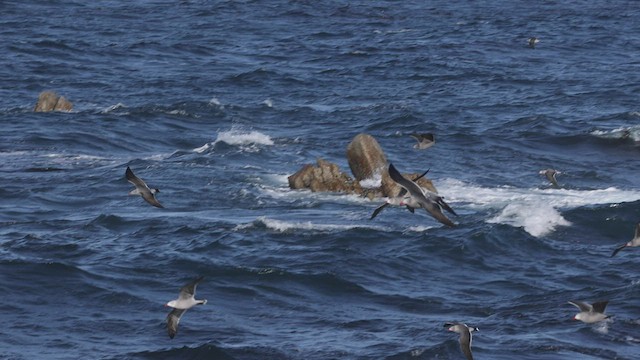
[(397, 200), (149, 195), (185, 301), (533, 41), (634, 242), (551, 176), (424, 140), (590, 313), (465, 336), (422, 198)]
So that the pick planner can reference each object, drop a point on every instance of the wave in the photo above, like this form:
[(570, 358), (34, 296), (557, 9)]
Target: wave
[(538, 211), (248, 141), (620, 133), (288, 226)]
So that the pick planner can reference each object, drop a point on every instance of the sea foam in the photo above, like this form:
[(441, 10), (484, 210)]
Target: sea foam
[(246, 140)]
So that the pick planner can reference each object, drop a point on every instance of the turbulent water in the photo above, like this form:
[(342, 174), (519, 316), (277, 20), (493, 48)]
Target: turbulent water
[(216, 103)]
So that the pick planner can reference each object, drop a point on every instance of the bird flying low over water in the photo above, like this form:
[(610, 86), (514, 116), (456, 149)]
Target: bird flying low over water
[(422, 198), (533, 41), (149, 195), (396, 200), (185, 301), (465, 336), (590, 313), (551, 176), (424, 140), (634, 242)]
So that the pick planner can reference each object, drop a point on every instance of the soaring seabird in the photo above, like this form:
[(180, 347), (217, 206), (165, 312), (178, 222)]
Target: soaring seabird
[(533, 41), (422, 198), (184, 302), (634, 242), (465, 336), (424, 140), (590, 313), (142, 189), (397, 199), (551, 176)]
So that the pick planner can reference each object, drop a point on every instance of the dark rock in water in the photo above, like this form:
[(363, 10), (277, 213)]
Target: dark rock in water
[(50, 101), (325, 176), (365, 157)]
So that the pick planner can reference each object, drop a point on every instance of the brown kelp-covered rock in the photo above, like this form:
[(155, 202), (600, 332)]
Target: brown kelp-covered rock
[(366, 160), (365, 157), (325, 176), (50, 101)]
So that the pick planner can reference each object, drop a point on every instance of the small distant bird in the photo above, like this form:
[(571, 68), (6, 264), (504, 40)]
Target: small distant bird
[(590, 313), (465, 336), (533, 41), (551, 176), (142, 189), (397, 200), (422, 198), (184, 302), (634, 242), (424, 140)]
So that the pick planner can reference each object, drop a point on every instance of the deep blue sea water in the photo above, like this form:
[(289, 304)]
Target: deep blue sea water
[(217, 102)]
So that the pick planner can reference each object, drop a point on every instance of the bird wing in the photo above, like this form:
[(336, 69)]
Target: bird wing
[(435, 211), (618, 249), (377, 210), (583, 306), (414, 189), (151, 199), (136, 181), (465, 342), (188, 291), (173, 319), (600, 306)]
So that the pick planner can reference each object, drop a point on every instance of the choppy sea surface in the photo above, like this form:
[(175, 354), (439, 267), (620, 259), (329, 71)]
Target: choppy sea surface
[(216, 103)]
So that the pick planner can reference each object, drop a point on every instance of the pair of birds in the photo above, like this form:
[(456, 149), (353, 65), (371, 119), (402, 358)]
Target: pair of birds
[(589, 313)]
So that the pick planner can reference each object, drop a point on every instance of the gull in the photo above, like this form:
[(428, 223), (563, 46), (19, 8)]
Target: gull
[(533, 41), (465, 336), (397, 199), (421, 198), (590, 313), (634, 242), (551, 176), (184, 302), (149, 195), (424, 140)]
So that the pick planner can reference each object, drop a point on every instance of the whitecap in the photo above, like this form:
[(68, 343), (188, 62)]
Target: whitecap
[(285, 226), (632, 132), (536, 210), (247, 141)]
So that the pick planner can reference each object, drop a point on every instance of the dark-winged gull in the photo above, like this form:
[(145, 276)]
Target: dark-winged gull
[(397, 199), (422, 198), (149, 195), (424, 140), (634, 242), (465, 336), (551, 176), (590, 313), (185, 301)]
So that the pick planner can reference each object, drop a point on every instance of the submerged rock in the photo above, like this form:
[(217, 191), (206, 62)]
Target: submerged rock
[(50, 101)]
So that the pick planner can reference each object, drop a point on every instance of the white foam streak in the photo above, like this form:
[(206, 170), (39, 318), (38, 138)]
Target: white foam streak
[(239, 138), (284, 226), (538, 211)]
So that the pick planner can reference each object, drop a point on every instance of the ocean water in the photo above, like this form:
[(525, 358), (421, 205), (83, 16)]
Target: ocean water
[(217, 102)]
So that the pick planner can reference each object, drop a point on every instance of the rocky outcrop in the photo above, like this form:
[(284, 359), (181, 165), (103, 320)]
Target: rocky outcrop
[(325, 176), (365, 156), (366, 160), (50, 101)]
